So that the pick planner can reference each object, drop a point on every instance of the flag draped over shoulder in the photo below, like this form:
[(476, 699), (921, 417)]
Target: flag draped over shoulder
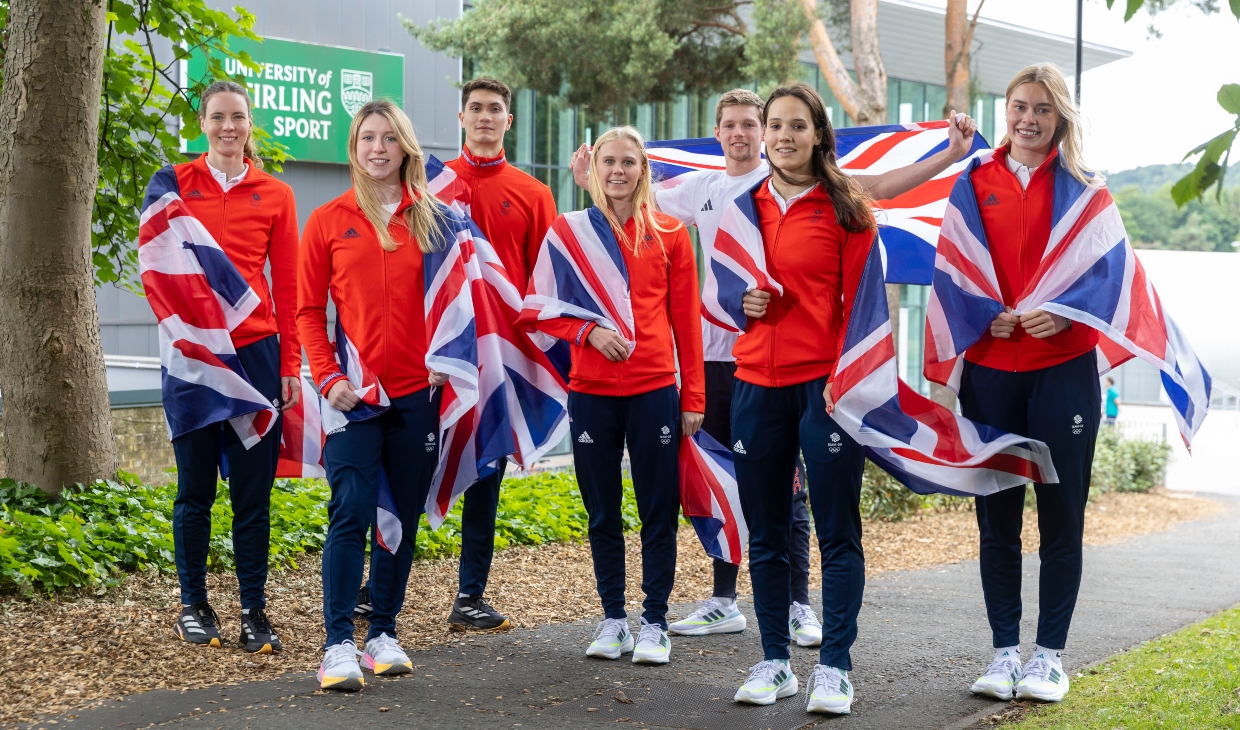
[(580, 273), (908, 224), (709, 497), (1088, 274), (921, 443), (736, 265), (199, 298)]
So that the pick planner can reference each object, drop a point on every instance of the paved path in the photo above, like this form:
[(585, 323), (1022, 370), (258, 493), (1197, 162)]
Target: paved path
[(923, 639)]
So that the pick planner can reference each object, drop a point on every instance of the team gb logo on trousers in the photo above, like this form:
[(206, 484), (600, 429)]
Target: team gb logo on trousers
[(356, 88)]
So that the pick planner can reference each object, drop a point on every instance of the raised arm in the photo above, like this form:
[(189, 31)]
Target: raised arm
[(901, 180)]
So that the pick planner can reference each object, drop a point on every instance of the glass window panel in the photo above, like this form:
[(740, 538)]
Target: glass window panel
[(936, 98), (1000, 122)]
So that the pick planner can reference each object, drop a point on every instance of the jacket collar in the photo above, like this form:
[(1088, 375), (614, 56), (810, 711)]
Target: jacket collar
[(1051, 161), (251, 177), (483, 166)]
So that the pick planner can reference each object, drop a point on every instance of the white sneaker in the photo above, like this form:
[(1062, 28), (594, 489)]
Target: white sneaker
[(611, 639), (1000, 678), (768, 681), (716, 616), (803, 625), (384, 657), (829, 691), (339, 669), (1043, 678), (653, 645)]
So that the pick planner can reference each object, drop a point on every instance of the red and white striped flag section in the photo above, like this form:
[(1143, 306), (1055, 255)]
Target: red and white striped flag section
[(1088, 274), (580, 273), (302, 437), (736, 266), (198, 297), (908, 224), (709, 497)]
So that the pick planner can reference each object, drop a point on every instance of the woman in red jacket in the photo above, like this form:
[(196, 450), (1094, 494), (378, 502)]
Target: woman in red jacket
[(1034, 374), (817, 230), (366, 249), (619, 394), (253, 217)]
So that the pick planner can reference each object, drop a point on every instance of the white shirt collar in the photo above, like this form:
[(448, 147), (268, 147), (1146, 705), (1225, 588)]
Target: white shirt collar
[(223, 179), (779, 199), (1022, 172)]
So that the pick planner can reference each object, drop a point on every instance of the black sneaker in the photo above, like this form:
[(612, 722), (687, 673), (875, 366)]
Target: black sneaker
[(198, 624), (257, 636), (477, 614), (361, 612)]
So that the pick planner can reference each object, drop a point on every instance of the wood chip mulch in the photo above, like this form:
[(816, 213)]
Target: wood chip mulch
[(121, 642)]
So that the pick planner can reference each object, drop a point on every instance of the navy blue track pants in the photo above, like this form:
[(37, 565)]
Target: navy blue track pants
[(405, 441), (720, 379), (1060, 406), (251, 473), (481, 502), (769, 427), (650, 424)]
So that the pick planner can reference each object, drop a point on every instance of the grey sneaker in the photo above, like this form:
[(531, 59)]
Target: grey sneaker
[(339, 669), (653, 645), (611, 639), (768, 681), (829, 691), (712, 617)]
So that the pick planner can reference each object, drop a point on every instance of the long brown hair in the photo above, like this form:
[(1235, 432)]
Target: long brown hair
[(643, 194), (1068, 136), (232, 87), (850, 200), (421, 218)]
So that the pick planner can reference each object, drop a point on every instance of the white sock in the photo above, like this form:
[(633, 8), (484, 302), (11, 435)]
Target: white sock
[(1054, 656), (1009, 652), (245, 611), (725, 603), (462, 595)]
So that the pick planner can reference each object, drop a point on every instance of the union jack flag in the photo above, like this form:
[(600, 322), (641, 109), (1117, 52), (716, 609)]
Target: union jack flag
[(709, 497), (199, 298), (736, 265), (580, 273), (1088, 274), (924, 445), (302, 437), (908, 224), (444, 184)]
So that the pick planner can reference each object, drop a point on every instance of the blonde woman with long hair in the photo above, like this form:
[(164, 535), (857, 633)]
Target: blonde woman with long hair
[(366, 248), (1034, 374), (624, 391)]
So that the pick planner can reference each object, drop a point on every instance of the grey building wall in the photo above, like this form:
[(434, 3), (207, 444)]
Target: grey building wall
[(431, 101)]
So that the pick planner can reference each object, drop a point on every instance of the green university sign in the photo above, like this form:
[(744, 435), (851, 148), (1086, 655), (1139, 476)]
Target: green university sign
[(306, 94)]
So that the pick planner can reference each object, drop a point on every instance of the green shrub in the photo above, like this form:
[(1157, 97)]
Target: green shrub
[(1127, 464), (90, 538)]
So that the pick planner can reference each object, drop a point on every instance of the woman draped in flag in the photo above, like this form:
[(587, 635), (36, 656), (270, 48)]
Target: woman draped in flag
[(817, 230), (366, 249), (1034, 374), (253, 218), (619, 283)]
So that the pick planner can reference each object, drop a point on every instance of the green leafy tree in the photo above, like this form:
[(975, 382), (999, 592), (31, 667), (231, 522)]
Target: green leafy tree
[(605, 55), (1153, 220), (1211, 167), (143, 103)]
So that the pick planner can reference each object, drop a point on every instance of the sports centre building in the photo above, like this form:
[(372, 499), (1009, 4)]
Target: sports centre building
[(324, 58)]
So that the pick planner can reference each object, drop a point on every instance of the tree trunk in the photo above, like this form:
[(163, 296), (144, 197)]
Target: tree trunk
[(959, 40), (57, 426), (865, 100)]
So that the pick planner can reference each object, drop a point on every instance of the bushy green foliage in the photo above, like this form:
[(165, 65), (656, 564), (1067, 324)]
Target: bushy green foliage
[(1127, 464), (90, 538), (1152, 219)]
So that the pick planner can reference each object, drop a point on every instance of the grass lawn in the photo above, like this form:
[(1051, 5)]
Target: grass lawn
[(1189, 679)]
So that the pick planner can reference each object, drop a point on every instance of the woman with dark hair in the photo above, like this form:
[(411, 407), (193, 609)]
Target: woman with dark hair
[(817, 229), (253, 217)]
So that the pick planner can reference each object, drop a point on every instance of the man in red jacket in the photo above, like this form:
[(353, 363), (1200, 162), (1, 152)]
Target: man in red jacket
[(514, 211)]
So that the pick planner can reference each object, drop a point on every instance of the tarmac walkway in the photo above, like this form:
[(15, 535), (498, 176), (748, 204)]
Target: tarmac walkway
[(923, 639)]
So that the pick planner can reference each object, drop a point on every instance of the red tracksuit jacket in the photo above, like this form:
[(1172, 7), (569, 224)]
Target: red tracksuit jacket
[(1018, 226), (819, 265), (254, 222), (666, 303), (513, 210), (378, 296)]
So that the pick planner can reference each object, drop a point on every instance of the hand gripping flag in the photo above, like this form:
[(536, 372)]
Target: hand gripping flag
[(909, 223), (919, 442), (199, 298), (580, 273), (709, 497), (1088, 274)]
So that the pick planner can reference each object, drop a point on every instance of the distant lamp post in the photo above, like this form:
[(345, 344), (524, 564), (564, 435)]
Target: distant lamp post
[(1080, 20)]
